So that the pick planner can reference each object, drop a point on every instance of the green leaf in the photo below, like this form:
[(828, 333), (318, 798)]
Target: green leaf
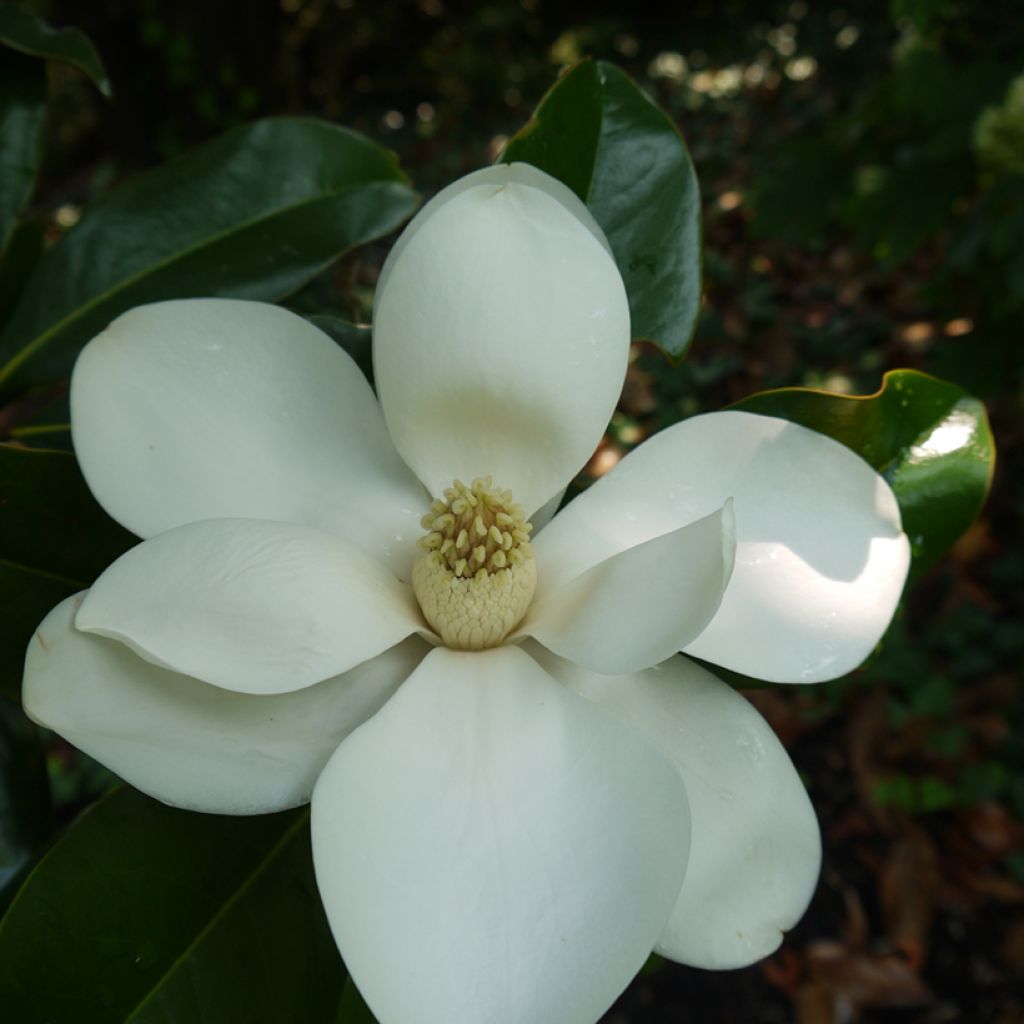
[(54, 541), (17, 261), (253, 214), (24, 798), (146, 914), (930, 440), (352, 1009), (22, 117), (624, 157), (22, 30)]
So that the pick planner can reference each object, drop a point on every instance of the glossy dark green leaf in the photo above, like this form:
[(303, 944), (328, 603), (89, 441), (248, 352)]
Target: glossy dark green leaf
[(24, 798), (22, 116), (352, 1009), (624, 157), (22, 30), (930, 439), (151, 915), (355, 339), (253, 214), (54, 541)]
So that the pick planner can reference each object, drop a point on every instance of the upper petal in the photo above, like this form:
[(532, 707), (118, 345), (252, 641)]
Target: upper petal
[(756, 849), (820, 555), (249, 605), (491, 848), (501, 332), (644, 604), (216, 408), (190, 744)]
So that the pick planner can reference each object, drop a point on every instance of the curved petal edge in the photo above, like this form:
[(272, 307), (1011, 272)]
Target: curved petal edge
[(491, 848)]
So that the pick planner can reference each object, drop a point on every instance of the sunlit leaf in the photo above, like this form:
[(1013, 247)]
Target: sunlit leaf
[(147, 914), (624, 157), (253, 214), (930, 439)]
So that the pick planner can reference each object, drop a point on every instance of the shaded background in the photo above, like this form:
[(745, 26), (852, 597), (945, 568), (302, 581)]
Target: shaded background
[(862, 167)]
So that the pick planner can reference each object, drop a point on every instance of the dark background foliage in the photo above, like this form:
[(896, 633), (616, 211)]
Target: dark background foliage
[(862, 172)]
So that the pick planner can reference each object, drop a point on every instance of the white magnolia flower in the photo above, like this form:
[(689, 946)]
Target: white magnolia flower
[(526, 788)]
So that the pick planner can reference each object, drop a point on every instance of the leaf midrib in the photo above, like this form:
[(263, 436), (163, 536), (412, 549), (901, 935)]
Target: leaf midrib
[(246, 884), (30, 349)]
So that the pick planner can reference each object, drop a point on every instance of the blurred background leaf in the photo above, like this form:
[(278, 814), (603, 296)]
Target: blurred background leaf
[(22, 30), (351, 1008), (17, 261), (54, 541), (25, 814), (22, 115)]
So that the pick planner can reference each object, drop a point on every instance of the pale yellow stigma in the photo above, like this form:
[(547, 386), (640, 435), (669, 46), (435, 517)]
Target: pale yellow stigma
[(476, 574)]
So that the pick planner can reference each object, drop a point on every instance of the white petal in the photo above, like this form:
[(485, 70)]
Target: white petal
[(501, 332), (756, 850), (190, 744), (217, 408), (820, 555), (250, 606), (644, 604), (491, 848)]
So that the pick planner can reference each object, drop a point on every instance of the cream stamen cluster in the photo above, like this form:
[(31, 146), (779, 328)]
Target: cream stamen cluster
[(476, 575)]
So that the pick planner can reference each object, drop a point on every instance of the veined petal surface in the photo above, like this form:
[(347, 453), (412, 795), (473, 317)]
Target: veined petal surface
[(644, 604), (190, 744), (820, 554), (755, 853), (489, 847), (219, 408), (249, 605), (501, 333)]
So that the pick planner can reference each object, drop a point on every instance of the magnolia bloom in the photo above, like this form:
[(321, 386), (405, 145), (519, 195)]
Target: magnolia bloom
[(519, 787)]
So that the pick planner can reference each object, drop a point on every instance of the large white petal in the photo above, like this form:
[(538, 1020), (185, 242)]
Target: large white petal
[(190, 744), (644, 604), (491, 848), (820, 555), (249, 605), (756, 850), (501, 332), (218, 408)]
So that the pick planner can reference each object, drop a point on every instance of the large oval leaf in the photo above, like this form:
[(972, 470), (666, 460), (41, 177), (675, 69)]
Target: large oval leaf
[(54, 540), (253, 214), (624, 157), (22, 115), (22, 30), (24, 797), (146, 914), (930, 439)]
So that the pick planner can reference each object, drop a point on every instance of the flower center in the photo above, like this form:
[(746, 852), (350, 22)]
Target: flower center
[(476, 575)]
